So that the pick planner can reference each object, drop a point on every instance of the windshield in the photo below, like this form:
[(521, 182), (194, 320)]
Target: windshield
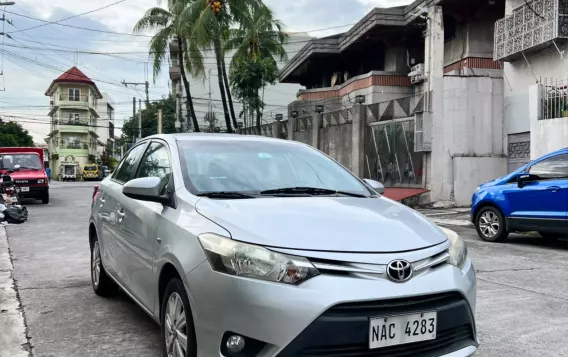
[(90, 168), (26, 161), (253, 167)]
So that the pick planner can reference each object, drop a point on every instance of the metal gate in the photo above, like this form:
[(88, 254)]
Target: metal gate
[(389, 154)]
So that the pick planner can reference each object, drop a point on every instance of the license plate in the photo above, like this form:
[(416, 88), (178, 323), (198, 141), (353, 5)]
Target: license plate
[(25, 189), (398, 330)]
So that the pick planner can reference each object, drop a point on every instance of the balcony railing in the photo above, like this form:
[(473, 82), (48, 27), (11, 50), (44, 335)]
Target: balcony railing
[(532, 26), (74, 98), (81, 121), (74, 145), (554, 99)]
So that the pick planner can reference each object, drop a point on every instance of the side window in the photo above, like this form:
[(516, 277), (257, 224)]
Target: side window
[(155, 163), (125, 170), (555, 167)]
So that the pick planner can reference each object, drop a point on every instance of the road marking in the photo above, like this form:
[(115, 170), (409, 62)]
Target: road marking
[(12, 327)]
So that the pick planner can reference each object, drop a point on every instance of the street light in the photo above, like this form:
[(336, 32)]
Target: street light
[(279, 117), (5, 34), (319, 108), (294, 113), (360, 99)]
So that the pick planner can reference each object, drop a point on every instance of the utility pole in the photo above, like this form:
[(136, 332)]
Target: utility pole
[(160, 121), (140, 119), (133, 107), (146, 84)]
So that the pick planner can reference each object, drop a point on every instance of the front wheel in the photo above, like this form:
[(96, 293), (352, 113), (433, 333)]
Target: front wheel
[(45, 198), (490, 225), (178, 333)]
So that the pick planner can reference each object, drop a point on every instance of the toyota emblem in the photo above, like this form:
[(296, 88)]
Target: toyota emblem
[(399, 271)]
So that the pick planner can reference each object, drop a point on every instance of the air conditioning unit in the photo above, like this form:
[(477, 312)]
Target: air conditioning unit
[(417, 74), (423, 132)]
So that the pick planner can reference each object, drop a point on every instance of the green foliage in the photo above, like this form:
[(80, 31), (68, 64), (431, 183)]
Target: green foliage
[(150, 120), (12, 135), (248, 76)]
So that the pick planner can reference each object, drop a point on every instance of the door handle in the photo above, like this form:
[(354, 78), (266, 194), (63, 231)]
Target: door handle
[(553, 188), (102, 198), (121, 212)]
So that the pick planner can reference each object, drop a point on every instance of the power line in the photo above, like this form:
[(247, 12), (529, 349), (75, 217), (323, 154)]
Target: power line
[(70, 17)]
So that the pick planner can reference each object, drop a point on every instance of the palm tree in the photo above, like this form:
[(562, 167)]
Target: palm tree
[(210, 19), (259, 37), (168, 27)]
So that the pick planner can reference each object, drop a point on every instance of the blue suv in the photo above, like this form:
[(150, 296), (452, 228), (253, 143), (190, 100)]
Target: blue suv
[(533, 198)]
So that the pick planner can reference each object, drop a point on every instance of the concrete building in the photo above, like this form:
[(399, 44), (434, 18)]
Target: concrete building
[(105, 126), (432, 112), (276, 97), (530, 40), (74, 119)]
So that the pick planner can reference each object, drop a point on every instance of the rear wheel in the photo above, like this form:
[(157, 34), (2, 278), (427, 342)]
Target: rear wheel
[(178, 333), (490, 225), (101, 282)]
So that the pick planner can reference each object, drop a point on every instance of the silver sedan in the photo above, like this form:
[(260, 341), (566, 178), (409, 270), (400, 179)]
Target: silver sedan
[(242, 246)]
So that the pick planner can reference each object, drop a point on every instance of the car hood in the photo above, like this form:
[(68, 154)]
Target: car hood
[(341, 224), (26, 174)]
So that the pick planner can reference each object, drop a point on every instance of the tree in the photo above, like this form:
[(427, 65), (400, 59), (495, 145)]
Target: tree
[(150, 120), (210, 20), (169, 28), (13, 135), (248, 75)]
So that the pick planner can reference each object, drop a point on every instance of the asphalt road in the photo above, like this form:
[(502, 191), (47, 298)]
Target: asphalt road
[(522, 298)]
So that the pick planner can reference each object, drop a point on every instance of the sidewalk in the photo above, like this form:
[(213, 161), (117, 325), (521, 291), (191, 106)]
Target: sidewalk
[(448, 217), (13, 342)]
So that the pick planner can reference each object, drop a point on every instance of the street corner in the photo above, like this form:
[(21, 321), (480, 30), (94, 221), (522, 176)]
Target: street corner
[(13, 340)]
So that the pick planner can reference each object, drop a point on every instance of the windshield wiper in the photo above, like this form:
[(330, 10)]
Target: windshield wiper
[(309, 191), (225, 195)]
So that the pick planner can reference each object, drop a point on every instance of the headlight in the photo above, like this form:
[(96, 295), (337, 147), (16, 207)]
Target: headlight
[(251, 261), (458, 249), (41, 181)]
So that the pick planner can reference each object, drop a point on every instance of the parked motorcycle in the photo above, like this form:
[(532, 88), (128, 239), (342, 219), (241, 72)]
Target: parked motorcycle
[(11, 210)]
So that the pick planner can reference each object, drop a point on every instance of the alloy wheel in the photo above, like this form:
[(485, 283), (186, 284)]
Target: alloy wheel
[(176, 335), (96, 263), (489, 224)]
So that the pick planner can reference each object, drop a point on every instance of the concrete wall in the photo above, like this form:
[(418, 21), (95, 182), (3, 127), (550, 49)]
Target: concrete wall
[(468, 124), (472, 39), (336, 141), (470, 172), (547, 135)]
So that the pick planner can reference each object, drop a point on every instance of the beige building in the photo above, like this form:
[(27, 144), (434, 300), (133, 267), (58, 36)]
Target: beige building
[(73, 136)]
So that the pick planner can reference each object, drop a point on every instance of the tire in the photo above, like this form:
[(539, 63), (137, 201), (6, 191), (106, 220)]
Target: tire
[(104, 286), (45, 198), (175, 291), (490, 225)]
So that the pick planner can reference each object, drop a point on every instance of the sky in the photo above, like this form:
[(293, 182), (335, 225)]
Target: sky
[(32, 58)]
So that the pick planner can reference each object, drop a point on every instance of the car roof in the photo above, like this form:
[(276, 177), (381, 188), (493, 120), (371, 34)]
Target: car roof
[(219, 137)]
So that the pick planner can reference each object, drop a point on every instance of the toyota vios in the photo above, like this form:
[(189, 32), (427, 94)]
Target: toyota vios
[(243, 246)]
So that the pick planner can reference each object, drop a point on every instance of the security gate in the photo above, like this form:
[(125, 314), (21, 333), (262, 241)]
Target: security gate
[(389, 154)]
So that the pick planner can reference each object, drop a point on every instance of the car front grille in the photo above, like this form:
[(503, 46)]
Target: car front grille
[(343, 330)]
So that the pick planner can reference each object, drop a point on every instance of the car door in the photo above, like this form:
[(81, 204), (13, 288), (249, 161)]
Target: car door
[(138, 231), (111, 192), (542, 203)]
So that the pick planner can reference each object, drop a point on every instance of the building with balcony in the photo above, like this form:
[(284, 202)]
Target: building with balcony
[(276, 97), (531, 40), (423, 80), (74, 119)]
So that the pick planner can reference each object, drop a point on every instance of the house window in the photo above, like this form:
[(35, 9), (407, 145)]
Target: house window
[(74, 118), (74, 94)]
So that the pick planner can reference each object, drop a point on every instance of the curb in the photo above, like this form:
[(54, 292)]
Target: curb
[(13, 336)]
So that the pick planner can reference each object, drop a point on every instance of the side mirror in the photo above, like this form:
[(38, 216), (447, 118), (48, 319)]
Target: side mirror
[(150, 189), (524, 177), (376, 186)]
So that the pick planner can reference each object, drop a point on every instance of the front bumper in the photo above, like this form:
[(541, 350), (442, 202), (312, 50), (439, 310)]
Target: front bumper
[(34, 192), (329, 315)]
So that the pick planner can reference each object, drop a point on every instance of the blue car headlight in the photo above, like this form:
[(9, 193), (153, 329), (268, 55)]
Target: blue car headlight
[(458, 249)]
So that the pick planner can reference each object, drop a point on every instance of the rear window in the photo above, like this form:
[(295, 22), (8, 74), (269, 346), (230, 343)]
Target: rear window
[(90, 168)]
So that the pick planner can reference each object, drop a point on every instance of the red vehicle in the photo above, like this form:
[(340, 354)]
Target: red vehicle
[(31, 179)]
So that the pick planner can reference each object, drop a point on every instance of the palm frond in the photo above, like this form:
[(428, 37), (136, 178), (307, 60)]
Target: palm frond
[(154, 18)]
